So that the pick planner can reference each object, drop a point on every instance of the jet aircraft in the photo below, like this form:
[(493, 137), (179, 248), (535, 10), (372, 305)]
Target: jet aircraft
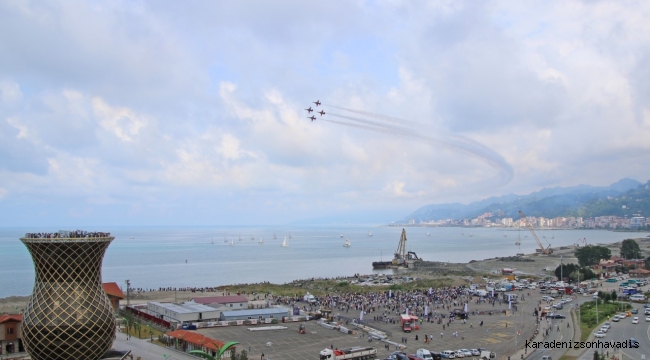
[(311, 117), (322, 112), (317, 102), (309, 110)]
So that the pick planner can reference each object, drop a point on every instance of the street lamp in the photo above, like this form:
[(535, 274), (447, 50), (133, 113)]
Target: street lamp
[(128, 285)]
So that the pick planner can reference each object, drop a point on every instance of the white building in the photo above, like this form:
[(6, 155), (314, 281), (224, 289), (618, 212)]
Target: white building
[(182, 313), (233, 302)]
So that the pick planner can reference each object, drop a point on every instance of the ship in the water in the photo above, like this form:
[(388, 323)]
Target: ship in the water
[(402, 259)]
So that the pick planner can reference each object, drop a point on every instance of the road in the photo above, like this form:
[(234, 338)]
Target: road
[(565, 333), (146, 350), (623, 331)]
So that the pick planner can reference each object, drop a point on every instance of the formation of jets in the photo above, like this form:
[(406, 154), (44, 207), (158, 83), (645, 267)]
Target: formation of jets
[(309, 110)]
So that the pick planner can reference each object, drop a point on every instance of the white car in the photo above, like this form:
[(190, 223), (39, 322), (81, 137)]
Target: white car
[(647, 318), (547, 307), (459, 354), (475, 352), (635, 320), (599, 334), (604, 329), (465, 352)]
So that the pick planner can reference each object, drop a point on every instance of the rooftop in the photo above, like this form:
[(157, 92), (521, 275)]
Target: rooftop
[(186, 308), (9, 317), (196, 339), (219, 299), (112, 289), (251, 312)]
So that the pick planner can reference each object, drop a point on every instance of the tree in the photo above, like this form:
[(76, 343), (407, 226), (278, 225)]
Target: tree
[(565, 270), (591, 255), (220, 351), (630, 249), (614, 295), (596, 355)]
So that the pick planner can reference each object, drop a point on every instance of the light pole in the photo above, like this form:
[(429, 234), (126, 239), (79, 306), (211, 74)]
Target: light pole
[(128, 285)]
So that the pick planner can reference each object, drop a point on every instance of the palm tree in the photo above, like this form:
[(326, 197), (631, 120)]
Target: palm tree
[(220, 351)]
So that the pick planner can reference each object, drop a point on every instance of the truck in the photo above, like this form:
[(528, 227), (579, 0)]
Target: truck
[(309, 298), (405, 323), (356, 353), (487, 355)]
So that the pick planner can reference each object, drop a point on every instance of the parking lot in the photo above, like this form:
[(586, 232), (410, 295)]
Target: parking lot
[(497, 334)]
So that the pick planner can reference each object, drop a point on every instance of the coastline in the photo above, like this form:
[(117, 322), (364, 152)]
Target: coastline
[(445, 273)]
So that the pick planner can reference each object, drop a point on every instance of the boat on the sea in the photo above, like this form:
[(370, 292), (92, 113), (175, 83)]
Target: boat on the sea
[(285, 243), (239, 237), (261, 241), (289, 235), (369, 233), (212, 241), (341, 236), (518, 241), (232, 243), (347, 243), (252, 238), (274, 237), (428, 234)]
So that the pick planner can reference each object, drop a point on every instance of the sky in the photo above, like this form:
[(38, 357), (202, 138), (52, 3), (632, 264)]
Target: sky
[(192, 113)]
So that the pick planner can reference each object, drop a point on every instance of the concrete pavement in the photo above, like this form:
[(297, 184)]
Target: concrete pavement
[(147, 350)]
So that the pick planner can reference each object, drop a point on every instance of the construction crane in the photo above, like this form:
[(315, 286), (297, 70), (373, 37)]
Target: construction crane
[(546, 250), (402, 255)]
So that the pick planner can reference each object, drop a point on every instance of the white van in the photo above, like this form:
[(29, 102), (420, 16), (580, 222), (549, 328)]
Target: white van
[(424, 354), (448, 354), (637, 297)]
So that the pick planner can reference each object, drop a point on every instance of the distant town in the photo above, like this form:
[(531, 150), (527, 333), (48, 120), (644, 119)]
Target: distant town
[(490, 220)]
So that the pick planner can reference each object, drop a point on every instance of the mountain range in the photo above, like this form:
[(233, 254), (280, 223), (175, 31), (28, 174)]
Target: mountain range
[(625, 197)]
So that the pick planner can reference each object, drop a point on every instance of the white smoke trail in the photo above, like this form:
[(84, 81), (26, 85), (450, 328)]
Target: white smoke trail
[(401, 127)]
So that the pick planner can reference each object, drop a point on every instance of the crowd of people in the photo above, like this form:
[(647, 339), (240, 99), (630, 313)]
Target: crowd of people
[(67, 235)]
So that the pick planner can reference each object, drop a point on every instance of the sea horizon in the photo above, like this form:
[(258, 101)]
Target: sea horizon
[(197, 256)]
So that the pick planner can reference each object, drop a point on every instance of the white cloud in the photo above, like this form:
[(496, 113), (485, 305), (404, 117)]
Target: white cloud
[(123, 122), (22, 129), (166, 107), (10, 92)]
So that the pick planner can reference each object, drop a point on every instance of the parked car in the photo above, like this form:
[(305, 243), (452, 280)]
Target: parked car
[(475, 352), (616, 318), (599, 334), (465, 352), (397, 355), (448, 354)]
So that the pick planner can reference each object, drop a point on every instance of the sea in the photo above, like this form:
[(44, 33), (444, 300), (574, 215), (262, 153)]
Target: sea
[(154, 257)]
